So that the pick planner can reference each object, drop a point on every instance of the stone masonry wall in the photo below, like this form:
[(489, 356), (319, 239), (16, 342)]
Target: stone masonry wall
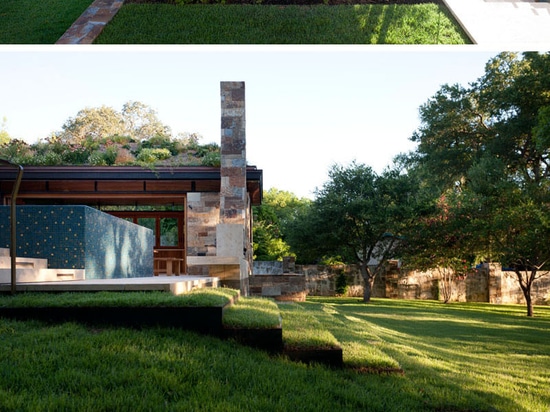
[(203, 215), (486, 284), (279, 287)]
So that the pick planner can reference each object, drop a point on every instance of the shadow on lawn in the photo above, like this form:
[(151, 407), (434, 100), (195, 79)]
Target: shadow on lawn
[(455, 360), (284, 24)]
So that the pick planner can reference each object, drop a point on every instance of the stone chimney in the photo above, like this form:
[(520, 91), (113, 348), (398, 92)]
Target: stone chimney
[(233, 229), (233, 197)]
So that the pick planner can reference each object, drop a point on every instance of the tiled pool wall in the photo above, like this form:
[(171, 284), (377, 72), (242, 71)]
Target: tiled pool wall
[(80, 237)]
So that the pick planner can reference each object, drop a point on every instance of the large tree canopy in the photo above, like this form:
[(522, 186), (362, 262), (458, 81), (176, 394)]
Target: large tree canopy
[(357, 215), (487, 146), (279, 209), (505, 115)]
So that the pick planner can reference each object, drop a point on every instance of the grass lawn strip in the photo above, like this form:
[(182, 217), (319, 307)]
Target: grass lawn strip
[(195, 298), (252, 313), (459, 357), (490, 353), (37, 22), (302, 330), (363, 349), (292, 24)]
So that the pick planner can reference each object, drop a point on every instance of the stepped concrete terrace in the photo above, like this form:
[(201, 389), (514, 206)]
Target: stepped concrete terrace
[(33, 275), (173, 284)]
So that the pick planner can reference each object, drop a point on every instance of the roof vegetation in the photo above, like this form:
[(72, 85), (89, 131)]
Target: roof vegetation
[(102, 136)]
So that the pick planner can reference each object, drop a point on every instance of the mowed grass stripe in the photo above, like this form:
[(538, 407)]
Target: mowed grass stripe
[(261, 24)]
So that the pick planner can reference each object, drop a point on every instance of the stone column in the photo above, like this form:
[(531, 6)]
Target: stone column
[(233, 200), (232, 240)]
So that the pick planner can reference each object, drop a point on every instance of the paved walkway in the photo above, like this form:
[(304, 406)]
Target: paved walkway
[(505, 23), (91, 23)]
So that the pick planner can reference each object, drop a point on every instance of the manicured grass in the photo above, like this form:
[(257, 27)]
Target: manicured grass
[(302, 330), (459, 357), (37, 22), (197, 297), (261, 24), (252, 313)]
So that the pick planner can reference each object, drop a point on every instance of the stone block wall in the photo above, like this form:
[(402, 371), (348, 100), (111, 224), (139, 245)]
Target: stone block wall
[(203, 216), (279, 287), (267, 267), (487, 284), (80, 237)]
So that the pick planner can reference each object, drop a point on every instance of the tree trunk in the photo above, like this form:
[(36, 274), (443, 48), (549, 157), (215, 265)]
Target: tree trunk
[(367, 289), (525, 285), (368, 281), (529, 303)]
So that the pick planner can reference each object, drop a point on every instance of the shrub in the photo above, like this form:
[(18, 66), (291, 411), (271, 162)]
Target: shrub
[(97, 159), (341, 286), (75, 154), (160, 142), (152, 155), (211, 159)]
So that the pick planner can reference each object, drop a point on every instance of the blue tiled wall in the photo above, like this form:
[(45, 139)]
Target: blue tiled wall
[(80, 237)]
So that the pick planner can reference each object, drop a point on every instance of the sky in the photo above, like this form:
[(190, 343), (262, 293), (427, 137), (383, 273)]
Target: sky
[(307, 108)]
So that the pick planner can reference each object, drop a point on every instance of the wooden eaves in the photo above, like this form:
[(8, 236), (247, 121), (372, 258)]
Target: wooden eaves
[(119, 184)]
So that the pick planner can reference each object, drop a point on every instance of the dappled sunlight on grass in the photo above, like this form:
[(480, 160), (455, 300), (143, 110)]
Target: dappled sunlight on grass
[(289, 24), (252, 313), (478, 350)]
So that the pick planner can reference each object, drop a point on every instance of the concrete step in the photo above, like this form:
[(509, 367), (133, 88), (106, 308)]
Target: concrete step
[(24, 263), (42, 275)]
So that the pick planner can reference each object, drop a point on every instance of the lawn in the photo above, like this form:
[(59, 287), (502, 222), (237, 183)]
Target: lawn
[(292, 24), (457, 357), (44, 22), (37, 22)]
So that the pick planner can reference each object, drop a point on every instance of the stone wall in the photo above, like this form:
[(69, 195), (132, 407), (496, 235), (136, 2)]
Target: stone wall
[(486, 284), (279, 287), (203, 216), (80, 237), (267, 267)]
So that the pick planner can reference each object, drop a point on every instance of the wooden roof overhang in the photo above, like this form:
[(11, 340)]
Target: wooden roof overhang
[(119, 185)]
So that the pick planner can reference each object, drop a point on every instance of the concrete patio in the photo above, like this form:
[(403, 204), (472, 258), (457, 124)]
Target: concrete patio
[(174, 284)]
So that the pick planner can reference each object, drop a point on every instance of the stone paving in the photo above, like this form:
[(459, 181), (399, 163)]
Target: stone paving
[(507, 24), (91, 23)]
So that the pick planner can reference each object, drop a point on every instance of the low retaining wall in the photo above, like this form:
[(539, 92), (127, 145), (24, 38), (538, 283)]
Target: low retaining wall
[(279, 287), (486, 284)]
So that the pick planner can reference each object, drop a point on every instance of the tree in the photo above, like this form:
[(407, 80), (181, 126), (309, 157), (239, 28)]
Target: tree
[(441, 241), (490, 141), (504, 115), (92, 124), (521, 232), (141, 121), (136, 120), (358, 215), (271, 219)]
